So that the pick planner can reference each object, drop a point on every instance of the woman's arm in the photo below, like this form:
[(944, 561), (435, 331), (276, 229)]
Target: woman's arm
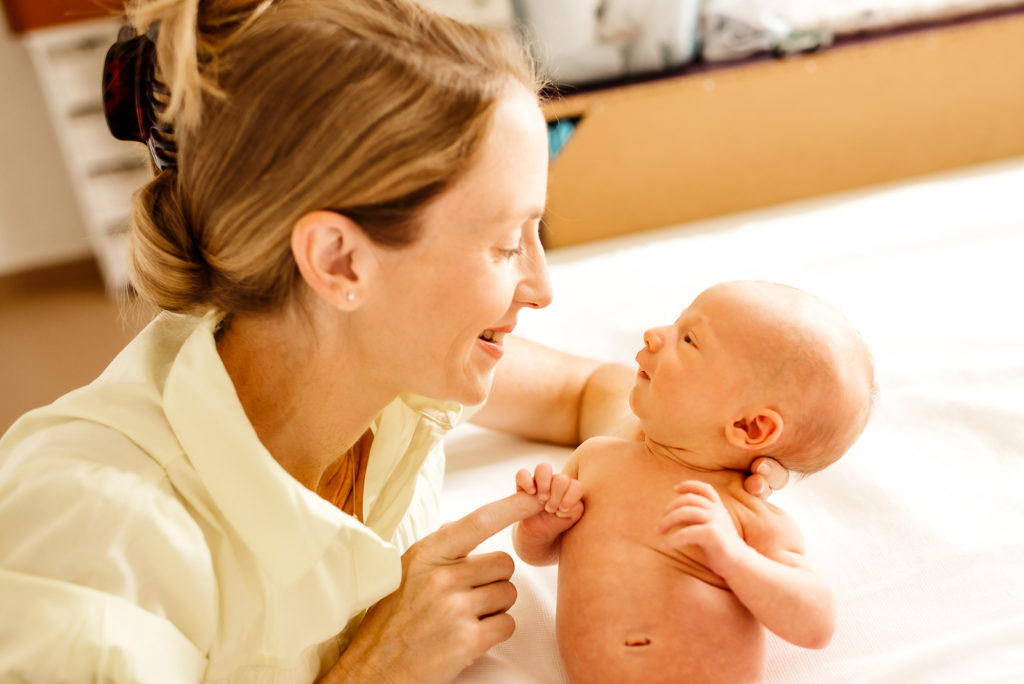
[(551, 396)]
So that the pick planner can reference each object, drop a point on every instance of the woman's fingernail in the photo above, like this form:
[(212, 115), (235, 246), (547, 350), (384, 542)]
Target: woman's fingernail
[(763, 468)]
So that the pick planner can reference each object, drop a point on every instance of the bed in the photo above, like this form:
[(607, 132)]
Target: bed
[(920, 527)]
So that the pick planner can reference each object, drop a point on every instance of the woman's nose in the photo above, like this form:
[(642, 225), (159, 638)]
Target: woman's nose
[(535, 287)]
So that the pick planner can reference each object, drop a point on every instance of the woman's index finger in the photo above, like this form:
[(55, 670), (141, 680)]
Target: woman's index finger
[(458, 539)]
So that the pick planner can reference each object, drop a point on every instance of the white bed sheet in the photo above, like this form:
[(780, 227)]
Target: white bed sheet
[(920, 528)]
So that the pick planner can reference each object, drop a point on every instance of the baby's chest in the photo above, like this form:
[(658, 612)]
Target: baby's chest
[(635, 499), (625, 509), (632, 494)]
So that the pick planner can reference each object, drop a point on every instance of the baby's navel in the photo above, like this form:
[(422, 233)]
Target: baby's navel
[(636, 639)]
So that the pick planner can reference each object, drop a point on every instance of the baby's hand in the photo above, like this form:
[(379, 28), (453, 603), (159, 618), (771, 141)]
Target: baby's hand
[(561, 495), (698, 517)]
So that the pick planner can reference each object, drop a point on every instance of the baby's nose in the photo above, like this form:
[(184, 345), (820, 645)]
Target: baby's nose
[(652, 340)]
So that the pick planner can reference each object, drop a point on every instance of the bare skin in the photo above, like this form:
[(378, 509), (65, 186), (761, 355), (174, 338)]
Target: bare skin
[(676, 569), (682, 616)]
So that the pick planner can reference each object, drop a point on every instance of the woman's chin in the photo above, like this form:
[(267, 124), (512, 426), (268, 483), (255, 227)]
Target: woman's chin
[(474, 396), (475, 390)]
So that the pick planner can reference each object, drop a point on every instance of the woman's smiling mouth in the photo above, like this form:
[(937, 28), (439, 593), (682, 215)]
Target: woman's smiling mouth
[(492, 336), (491, 341)]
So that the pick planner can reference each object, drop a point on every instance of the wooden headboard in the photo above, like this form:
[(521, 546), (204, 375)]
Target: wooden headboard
[(739, 137)]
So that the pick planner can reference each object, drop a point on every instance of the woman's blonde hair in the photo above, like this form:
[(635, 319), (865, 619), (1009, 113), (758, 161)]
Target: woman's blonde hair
[(371, 108)]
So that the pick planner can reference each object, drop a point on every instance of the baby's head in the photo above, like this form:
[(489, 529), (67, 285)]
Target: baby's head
[(756, 369)]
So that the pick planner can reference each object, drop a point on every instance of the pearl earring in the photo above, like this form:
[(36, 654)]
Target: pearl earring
[(351, 296)]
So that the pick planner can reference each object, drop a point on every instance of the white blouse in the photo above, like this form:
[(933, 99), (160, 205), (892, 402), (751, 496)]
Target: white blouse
[(147, 535)]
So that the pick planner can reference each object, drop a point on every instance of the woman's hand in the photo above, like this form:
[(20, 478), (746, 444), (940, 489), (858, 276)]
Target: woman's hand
[(450, 608), (767, 475)]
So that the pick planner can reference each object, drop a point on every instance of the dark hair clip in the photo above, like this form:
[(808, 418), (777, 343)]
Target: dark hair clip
[(130, 90)]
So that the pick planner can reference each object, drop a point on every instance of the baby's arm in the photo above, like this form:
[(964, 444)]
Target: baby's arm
[(776, 584), (538, 539)]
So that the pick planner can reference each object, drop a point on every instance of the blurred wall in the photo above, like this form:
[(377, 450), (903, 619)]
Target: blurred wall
[(40, 223)]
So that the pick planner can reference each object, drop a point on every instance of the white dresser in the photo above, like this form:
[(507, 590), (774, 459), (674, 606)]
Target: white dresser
[(104, 172)]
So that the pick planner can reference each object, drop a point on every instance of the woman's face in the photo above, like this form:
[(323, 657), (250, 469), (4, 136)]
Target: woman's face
[(448, 299)]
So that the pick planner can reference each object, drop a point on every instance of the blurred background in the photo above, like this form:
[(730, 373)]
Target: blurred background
[(65, 184)]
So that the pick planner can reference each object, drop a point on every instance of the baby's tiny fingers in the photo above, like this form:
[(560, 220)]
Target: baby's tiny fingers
[(571, 505), (574, 511), (542, 476), (694, 500), (559, 486), (573, 494), (697, 487), (680, 538), (687, 515), (524, 482)]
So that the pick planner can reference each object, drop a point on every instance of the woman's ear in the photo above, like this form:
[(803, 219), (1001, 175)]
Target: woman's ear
[(758, 429), (334, 257)]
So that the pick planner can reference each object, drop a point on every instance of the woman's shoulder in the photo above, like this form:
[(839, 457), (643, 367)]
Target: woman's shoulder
[(44, 444), (87, 512)]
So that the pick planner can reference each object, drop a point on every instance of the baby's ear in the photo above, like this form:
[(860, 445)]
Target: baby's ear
[(758, 429)]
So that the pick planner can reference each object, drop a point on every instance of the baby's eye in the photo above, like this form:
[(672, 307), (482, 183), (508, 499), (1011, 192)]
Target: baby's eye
[(687, 339)]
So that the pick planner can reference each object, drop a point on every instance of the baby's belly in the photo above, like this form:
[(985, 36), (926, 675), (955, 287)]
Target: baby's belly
[(629, 613)]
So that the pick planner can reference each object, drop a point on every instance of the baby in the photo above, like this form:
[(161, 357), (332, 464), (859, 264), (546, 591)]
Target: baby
[(675, 569)]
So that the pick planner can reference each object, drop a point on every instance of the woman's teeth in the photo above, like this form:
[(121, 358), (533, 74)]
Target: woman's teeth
[(491, 336)]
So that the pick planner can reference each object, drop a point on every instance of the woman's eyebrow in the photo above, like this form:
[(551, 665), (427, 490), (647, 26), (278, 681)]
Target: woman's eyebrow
[(529, 214), (519, 214)]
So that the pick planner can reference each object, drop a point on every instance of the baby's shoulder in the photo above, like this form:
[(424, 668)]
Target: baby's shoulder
[(597, 450), (597, 447)]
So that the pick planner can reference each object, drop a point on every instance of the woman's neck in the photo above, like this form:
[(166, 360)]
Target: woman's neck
[(300, 391)]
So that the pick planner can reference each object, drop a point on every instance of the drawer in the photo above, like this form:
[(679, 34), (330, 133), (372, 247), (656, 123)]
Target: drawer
[(109, 196), (76, 76), (96, 150)]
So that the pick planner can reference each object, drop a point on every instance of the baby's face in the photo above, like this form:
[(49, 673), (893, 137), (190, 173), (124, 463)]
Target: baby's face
[(695, 373)]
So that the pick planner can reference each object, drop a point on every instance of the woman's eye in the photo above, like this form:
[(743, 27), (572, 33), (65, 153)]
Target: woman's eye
[(511, 253)]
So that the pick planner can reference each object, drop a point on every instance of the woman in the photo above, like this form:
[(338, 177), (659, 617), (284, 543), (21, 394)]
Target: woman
[(342, 230)]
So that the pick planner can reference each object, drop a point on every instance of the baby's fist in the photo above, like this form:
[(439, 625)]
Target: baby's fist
[(561, 495), (698, 517)]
